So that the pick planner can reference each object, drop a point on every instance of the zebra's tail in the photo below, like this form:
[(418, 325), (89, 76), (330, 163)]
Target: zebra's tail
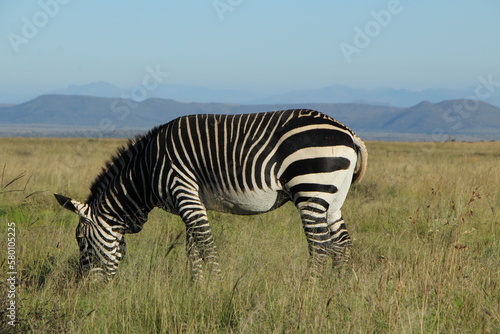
[(362, 160)]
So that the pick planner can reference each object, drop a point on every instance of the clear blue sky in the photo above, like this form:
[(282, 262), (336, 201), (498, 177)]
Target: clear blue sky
[(258, 45)]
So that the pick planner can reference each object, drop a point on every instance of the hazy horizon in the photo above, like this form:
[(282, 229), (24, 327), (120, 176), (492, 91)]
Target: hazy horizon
[(264, 47)]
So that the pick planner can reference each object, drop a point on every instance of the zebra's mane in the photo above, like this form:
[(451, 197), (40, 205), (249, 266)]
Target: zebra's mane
[(119, 162)]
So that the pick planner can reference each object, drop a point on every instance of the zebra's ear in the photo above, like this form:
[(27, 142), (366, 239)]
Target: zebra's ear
[(70, 204)]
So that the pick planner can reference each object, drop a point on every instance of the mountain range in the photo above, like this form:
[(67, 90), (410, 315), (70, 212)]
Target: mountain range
[(91, 116), (330, 94)]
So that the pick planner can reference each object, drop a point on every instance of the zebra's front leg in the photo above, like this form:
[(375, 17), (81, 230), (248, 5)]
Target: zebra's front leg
[(200, 245), (341, 240)]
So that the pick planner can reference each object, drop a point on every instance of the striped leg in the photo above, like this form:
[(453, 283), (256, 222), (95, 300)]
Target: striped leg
[(200, 243), (340, 237), (313, 214)]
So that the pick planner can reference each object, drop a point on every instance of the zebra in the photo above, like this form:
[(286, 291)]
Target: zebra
[(241, 164)]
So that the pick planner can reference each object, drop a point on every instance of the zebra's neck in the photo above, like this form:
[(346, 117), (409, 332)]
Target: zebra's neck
[(119, 192)]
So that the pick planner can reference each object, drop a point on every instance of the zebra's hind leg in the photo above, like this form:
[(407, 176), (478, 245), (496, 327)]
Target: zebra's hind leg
[(319, 239), (340, 238)]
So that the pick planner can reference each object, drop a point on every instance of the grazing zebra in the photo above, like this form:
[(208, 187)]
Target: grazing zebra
[(241, 164)]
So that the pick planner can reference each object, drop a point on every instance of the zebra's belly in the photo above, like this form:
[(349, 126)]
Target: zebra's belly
[(244, 203)]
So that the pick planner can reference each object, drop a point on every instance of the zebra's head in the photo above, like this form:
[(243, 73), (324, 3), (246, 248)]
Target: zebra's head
[(101, 244)]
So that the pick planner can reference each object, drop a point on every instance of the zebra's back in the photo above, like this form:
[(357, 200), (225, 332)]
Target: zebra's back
[(252, 163)]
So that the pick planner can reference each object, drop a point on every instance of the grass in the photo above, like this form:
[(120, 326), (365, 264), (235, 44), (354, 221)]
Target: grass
[(425, 258)]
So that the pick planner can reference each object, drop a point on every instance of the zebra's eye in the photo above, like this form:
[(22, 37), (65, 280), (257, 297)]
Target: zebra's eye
[(82, 227)]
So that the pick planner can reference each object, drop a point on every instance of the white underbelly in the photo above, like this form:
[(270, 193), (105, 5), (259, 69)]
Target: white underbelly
[(250, 202)]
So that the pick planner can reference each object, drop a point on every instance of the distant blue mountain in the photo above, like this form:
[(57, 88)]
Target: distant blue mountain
[(184, 93), (70, 115), (383, 96), (98, 89), (330, 94)]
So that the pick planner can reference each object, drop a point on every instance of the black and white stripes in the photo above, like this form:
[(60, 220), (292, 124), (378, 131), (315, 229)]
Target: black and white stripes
[(241, 164)]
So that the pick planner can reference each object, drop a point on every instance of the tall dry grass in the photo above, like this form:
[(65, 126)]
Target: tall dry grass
[(425, 257)]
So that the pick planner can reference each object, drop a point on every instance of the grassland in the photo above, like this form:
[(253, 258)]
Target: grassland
[(426, 253)]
